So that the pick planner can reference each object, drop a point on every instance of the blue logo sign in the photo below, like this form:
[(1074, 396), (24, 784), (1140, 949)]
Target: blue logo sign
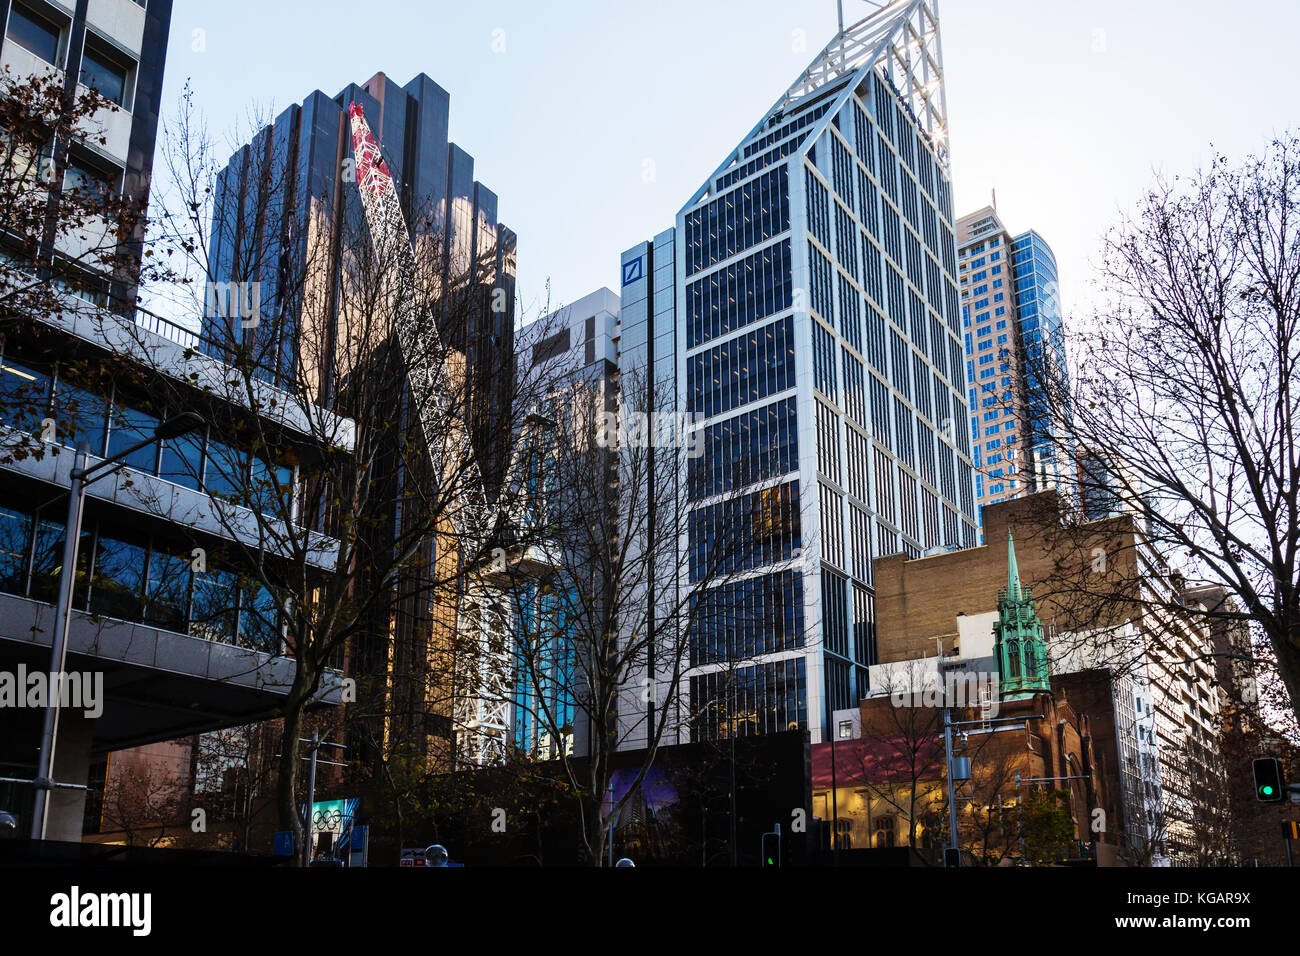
[(633, 270)]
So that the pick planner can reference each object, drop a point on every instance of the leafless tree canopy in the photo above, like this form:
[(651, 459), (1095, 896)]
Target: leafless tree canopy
[(1182, 407)]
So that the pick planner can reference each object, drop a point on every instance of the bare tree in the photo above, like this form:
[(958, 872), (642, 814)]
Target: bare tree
[(613, 606), (146, 805), (1182, 409), (350, 506), (903, 756)]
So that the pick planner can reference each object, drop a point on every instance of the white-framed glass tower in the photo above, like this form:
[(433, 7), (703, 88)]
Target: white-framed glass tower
[(815, 320)]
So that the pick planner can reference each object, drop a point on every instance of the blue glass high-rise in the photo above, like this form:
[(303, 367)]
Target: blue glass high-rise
[(1042, 333)]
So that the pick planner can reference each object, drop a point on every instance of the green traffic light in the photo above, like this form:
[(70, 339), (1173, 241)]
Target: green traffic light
[(1266, 790)]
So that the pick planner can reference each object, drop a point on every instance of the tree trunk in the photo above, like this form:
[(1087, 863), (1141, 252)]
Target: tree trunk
[(1287, 648), (287, 778), (595, 832)]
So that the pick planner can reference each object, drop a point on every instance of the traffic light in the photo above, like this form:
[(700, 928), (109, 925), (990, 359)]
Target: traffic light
[(951, 856), (771, 850), (1269, 786), (1291, 829)]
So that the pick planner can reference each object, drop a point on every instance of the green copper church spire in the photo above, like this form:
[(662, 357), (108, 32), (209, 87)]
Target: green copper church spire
[(1018, 640)]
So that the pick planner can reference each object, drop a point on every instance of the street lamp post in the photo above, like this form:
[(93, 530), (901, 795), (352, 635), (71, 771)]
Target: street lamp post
[(82, 477)]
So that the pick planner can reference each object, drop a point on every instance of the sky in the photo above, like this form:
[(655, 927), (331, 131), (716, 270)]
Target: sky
[(595, 122)]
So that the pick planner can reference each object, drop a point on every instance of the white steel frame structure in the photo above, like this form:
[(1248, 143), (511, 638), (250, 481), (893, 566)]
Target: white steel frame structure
[(901, 40), (484, 669)]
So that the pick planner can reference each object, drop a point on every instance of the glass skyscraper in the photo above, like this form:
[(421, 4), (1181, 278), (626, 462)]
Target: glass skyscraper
[(287, 215), (1042, 330), (806, 305), (1014, 343)]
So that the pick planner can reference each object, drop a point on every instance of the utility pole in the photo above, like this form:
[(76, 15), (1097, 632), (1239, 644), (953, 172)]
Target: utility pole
[(982, 726), (313, 746), (311, 798), (952, 788)]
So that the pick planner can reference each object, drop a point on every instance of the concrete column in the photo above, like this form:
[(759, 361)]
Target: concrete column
[(71, 765)]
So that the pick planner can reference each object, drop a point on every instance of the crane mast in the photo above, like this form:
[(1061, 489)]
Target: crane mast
[(484, 651)]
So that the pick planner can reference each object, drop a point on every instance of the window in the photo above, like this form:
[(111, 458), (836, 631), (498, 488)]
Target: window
[(15, 528), (105, 76), (259, 618), (224, 476), (34, 34), (89, 181), (846, 729), (24, 394), (129, 426), (80, 414), (214, 605), (182, 460), (117, 585), (269, 484), (167, 590)]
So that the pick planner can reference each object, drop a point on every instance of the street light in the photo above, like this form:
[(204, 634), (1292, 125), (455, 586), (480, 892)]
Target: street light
[(82, 476)]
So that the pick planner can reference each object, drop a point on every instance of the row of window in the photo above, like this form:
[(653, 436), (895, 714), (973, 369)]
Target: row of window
[(58, 404), (806, 119), (102, 69), (751, 447), (823, 341), (733, 176), (545, 669), (820, 271), (751, 289), (748, 215), (741, 702), (742, 619), (125, 574), (744, 533), (742, 370), (828, 442), (835, 613)]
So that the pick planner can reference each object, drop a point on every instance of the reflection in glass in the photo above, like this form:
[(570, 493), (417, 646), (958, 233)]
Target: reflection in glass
[(259, 618), (15, 530), (167, 591), (24, 395), (117, 585), (213, 615), (226, 467), (103, 76), (79, 415), (129, 426), (47, 563), (182, 460)]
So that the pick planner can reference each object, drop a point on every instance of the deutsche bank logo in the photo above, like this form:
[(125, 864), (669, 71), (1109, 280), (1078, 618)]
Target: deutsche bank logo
[(633, 270)]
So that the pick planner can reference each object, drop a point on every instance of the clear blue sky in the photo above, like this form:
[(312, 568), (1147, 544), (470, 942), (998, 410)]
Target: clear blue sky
[(1065, 107)]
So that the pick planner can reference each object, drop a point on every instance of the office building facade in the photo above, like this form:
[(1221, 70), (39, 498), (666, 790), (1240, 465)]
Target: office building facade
[(1015, 351), (574, 351), (180, 646), (806, 307), (287, 221), (119, 49)]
